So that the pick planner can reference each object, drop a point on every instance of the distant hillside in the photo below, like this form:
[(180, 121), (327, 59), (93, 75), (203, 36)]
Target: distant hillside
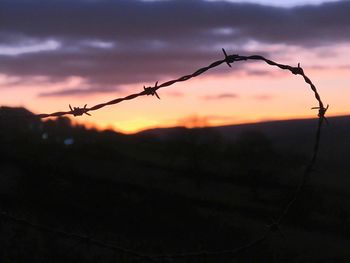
[(286, 132), (273, 129), (292, 135)]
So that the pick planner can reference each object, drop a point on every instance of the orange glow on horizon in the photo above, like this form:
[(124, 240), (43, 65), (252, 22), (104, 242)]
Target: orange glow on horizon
[(139, 127), (209, 100)]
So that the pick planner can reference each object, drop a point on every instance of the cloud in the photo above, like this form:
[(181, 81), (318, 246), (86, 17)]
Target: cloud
[(221, 96), (28, 48), (121, 42), (263, 97), (127, 21), (78, 91), (285, 3), (260, 72)]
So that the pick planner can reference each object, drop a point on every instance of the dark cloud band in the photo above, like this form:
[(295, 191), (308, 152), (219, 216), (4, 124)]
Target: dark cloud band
[(120, 42)]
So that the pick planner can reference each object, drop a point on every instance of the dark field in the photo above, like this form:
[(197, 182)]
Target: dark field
[(170, 191)]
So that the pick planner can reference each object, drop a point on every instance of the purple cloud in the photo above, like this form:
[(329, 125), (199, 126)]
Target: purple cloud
[(221, 96), (78, 91), (109, 43)]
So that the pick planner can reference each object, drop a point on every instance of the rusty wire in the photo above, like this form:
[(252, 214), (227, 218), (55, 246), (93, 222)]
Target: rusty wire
[(152, 90)]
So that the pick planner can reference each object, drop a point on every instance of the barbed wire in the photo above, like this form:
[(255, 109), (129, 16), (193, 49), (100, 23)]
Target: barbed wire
[(152, 90)]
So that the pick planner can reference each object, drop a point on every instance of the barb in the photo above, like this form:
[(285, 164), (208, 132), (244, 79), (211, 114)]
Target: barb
[(275, 226), (152, 90), (79, 111)]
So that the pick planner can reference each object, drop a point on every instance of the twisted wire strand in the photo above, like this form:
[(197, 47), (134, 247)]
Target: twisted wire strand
[(152, 90)]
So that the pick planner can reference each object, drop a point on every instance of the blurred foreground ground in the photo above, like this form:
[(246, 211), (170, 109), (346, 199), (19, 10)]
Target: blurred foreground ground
[(172, 190)]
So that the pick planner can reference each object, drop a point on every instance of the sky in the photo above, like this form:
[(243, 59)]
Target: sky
[(59, 52)]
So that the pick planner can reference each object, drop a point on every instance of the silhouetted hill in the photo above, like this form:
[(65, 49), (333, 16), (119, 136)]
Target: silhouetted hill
[(298, 129), (295, 135)]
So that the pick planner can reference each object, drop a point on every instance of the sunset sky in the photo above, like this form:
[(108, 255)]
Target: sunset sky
[(59, 52)]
